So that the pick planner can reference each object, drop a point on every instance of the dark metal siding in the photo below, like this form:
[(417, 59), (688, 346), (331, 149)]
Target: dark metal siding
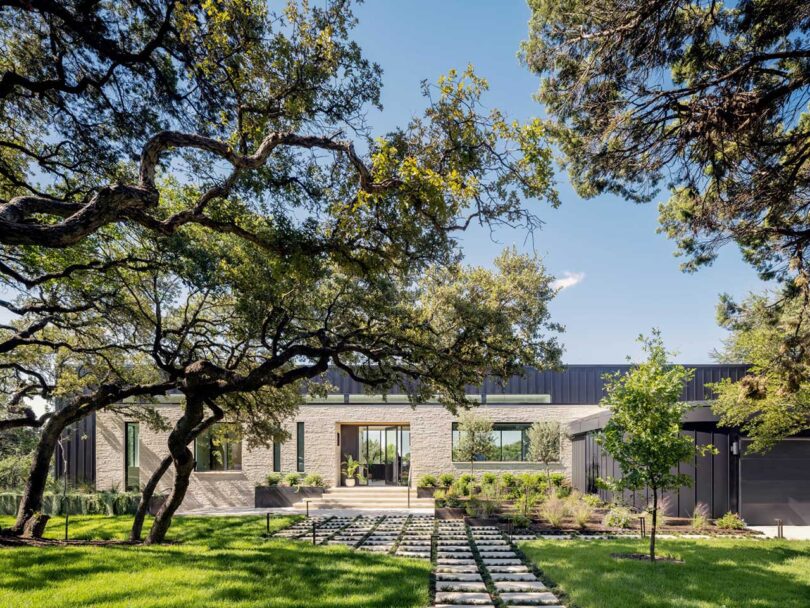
[(574, 384), (709, 474), (79, 441)]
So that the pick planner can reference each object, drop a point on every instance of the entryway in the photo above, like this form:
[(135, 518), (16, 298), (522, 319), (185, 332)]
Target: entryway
[(384, 451)]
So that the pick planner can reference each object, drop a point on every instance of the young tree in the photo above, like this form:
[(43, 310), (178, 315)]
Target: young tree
[(544, 443), (644, 431), (475, 439)]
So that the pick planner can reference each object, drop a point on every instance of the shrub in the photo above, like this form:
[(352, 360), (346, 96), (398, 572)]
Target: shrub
[(554, 510), (292, 479), (730, 521), (439, 496), (700, 516), (273, 479), (95, 503), (564, 490), (446, 480), (558, 479), (664, 506), (472, 507), (519, 520), (617, 517), (427, 481), (489, 479), (508, 480), (314, 480), (592, 500), (452, 498), (464, 484), (582, 512), (526, 502)]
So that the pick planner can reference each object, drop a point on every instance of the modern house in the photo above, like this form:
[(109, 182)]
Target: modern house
[(400, 443)]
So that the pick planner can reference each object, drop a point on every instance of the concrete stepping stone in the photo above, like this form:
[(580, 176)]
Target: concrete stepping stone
[(496, 569), (461, 586), (464, 606), (467, 598), (517, 586), (473, 577), (529, 598), (497, 561), (470, 568), (454, 561), (512, 576)]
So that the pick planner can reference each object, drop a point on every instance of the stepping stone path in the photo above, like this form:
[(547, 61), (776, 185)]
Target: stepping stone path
[(474, 566), (402, 535), (509, 580)]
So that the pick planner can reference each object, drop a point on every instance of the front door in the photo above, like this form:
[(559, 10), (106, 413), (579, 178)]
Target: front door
[(385, 452)]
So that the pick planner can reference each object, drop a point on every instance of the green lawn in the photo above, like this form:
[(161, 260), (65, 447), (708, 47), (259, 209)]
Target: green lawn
[(219, 561), (716, 573)]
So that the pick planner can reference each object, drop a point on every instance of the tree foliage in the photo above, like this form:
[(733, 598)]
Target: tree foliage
[(475, 441), (544, 442), (772, 401), (644, 431), (710, 97), (211, 214)]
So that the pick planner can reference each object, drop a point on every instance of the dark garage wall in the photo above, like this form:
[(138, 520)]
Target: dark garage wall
[(709, 474)]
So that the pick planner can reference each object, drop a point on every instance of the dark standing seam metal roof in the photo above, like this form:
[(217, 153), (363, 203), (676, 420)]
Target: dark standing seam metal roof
[(573, 385)]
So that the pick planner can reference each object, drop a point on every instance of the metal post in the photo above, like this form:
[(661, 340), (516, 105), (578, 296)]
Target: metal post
[(307, 508), (268, 524), (780, 531), (643, 525), (313, 532)]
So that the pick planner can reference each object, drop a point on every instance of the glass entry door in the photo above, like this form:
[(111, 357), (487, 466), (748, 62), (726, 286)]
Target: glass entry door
[(385, 452)]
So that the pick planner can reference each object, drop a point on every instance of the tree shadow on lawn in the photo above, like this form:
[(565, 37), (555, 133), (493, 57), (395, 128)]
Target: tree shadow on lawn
[(761, 574), (283, 574)]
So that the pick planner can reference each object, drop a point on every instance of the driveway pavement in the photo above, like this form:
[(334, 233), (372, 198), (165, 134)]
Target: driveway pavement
[(791, 532)]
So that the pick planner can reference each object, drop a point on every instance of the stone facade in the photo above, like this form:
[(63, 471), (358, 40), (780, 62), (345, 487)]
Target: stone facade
[(431, 440)]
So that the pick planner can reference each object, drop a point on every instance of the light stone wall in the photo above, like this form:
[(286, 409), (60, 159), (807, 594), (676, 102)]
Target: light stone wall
[(431, 441)]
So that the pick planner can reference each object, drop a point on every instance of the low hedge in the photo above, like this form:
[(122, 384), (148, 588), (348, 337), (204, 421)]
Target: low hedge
[(97, 503)]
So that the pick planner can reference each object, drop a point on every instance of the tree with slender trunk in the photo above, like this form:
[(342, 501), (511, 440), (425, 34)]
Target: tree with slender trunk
[(544, 444), (643, 434), (475, 439)]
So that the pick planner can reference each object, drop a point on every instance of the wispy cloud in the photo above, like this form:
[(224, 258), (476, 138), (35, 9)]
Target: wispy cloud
[(569, 279)]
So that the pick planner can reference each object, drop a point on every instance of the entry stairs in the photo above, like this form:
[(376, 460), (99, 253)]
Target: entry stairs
[(367, 497)]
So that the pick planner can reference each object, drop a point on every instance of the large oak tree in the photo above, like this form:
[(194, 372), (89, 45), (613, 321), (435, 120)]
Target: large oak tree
[(192, 201), (709, 100)]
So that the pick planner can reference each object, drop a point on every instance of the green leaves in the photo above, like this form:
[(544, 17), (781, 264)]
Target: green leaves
[(643, 434)]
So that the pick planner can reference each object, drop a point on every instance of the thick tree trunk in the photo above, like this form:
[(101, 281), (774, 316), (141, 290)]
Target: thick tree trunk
[(32, 500), (154, 480), (183, 460), (146, 499), (654, 524)]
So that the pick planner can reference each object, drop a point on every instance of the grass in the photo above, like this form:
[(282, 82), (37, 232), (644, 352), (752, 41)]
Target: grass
[(218, 561), (716, 573)]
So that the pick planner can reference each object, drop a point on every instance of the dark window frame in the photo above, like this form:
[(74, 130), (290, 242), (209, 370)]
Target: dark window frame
[(127, 426), (225, 450), (499, 428), (276, 457), (299, 448)]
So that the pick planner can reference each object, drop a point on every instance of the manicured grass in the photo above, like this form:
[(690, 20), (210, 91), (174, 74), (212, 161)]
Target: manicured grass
[(218, 561), (716, 573)]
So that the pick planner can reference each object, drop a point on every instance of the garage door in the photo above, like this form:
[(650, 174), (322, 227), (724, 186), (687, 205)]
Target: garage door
[(776, 484)]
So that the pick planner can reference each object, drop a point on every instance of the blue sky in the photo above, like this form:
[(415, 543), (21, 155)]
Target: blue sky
[(629, 279)]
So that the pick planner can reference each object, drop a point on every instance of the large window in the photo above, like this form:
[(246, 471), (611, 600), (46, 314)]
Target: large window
[(133, 456), (300, 447), (218, 449), (511, 441)]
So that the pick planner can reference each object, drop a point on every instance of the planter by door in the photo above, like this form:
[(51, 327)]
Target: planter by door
[(350, 481)]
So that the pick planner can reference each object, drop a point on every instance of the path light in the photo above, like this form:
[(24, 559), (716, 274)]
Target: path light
[(780, 530), (643, 526)]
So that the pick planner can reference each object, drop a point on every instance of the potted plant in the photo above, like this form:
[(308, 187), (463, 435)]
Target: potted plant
[(350, 467)]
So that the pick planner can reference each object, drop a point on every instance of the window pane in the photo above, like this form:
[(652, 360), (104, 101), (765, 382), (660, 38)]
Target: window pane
[(300, 447), (512, 444), (276, 457), (202, 451), (133, 456), (235, 455)]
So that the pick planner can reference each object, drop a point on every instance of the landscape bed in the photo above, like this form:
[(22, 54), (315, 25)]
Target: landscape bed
[(718, 572), (210, 561)]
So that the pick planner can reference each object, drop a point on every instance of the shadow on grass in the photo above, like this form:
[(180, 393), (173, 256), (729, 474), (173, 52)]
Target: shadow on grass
[(739, 573), (220, 562)]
